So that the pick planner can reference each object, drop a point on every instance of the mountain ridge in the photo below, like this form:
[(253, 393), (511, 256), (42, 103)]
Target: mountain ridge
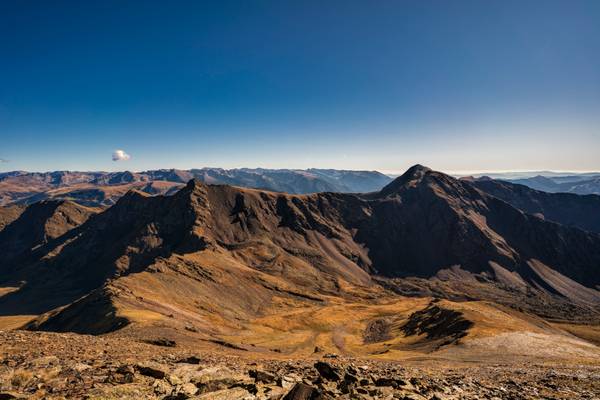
[(104, 188), (148, 254)]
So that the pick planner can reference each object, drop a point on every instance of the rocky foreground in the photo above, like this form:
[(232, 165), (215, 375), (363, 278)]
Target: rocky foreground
[(55, 366)]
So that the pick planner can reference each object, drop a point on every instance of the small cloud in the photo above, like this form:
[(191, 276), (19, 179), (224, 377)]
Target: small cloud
[(3, 160), (120, 155)]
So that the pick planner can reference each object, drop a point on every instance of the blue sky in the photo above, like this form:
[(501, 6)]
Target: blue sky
[(456, 85)]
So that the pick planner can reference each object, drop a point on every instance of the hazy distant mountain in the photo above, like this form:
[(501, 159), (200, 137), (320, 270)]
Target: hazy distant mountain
[(548, 181), (565, 208), (104, 188), (588, 184), (513, 175)]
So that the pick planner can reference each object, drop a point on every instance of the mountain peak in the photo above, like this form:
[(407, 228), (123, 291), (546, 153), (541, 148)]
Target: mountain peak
[(412, 176), (416, 171)]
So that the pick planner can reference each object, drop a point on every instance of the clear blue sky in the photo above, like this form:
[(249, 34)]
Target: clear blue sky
[(456, 85)]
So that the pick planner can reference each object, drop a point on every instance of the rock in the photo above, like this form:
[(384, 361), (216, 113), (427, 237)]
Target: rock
[(120, 378), (126, 369), (80, 367), (262, 376), (8, 396), (228, 394), (330, 355), (301, 391), (189, 389), (344, 387), (250, 387), (288, 381), (162, 342), (161, 387), (386, 382), (318, 350), (152, 369), (327, 371), (174, 380), (350, 378), (190, 360), (217, 378), (177, 396)]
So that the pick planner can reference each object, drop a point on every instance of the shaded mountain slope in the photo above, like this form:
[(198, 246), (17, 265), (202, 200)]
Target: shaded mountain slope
[(564, 208), (35, 226)]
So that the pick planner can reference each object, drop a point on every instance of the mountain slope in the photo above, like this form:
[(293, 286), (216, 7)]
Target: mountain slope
[(216, 256), (36, 226)]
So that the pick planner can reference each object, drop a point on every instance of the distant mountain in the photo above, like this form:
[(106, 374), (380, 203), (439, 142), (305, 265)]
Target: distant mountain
[(104, 188), (564, 208), (570, 176), (220, 256), (564, 184), (548, 181)]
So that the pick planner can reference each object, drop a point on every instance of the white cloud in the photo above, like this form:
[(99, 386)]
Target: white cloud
[(3, 160), (120, 155)]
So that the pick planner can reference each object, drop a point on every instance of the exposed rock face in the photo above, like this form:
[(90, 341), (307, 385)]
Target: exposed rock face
[(243, 247)]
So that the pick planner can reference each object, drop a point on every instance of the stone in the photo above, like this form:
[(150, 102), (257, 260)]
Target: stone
[(386, 382), (287, 381), (189, 389), (262, 376), (190, 360), (162, 342), (152, 369), (350, 378), (228, 394), (161, 387), (301, 391), (327, 371), (174, 380)]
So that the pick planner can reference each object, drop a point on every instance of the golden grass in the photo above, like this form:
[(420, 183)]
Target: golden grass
[(9, 322)]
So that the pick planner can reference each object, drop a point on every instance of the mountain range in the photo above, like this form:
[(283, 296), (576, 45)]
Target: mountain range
[(210, 260), (104, 188), (548, 181), (587, 184)]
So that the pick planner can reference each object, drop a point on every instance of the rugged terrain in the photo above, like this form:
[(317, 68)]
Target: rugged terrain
[(108, 367), (105, 188), (430, 271)]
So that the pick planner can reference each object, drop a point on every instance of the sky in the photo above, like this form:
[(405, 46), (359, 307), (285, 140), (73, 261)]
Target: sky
[(496, 85)]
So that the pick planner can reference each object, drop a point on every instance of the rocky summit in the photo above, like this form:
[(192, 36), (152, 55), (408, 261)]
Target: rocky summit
[(428, 288)]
